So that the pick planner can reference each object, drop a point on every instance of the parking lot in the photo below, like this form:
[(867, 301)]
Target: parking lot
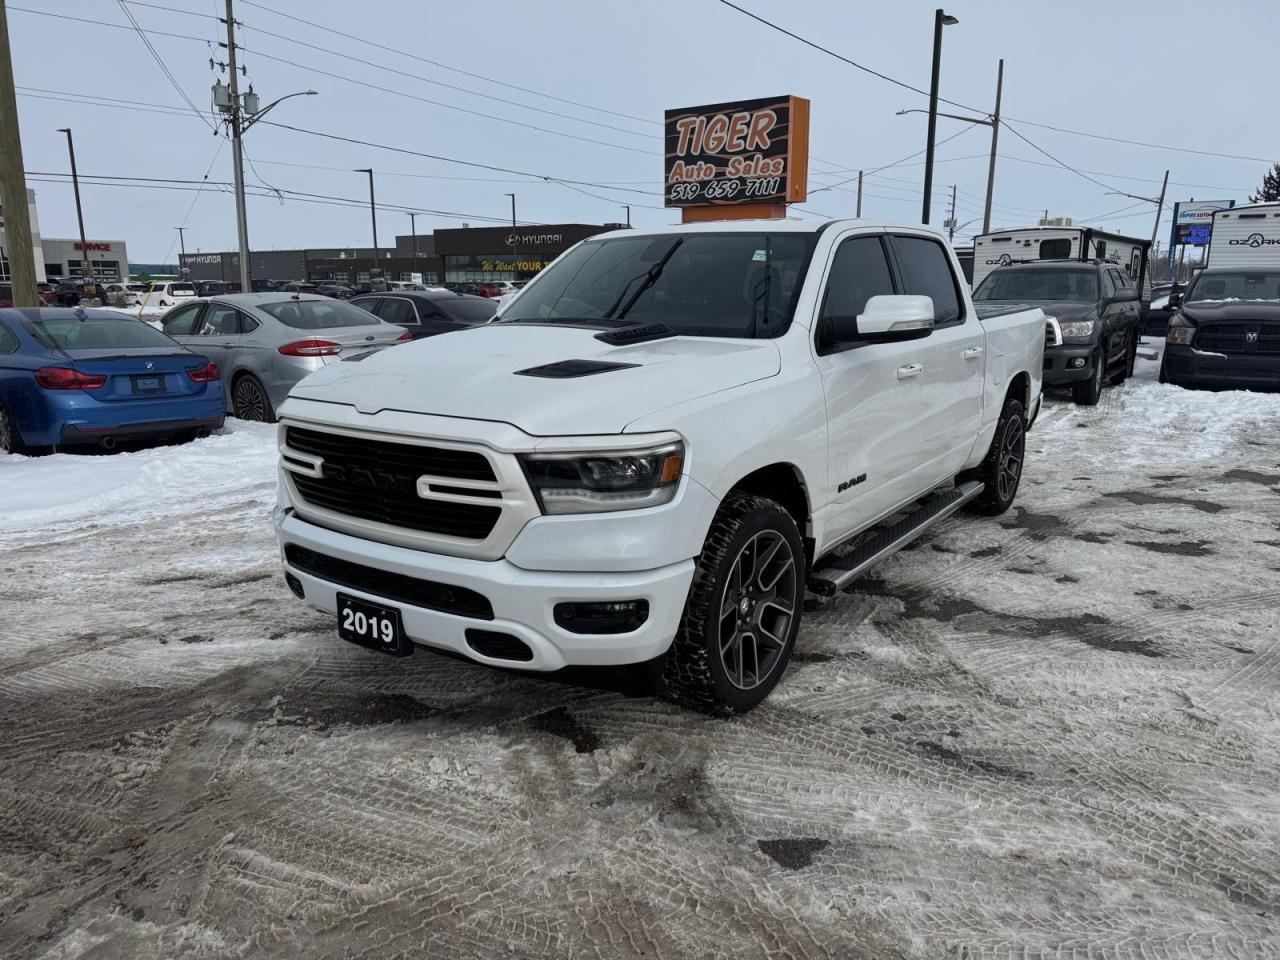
[(1049, 734)]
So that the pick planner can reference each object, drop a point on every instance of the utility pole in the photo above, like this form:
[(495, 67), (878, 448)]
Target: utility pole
[(75, 185), (940, 19), (373, 215), (13, 183), (859, 213), (237, 155), (951, 222), (1142, 269), (995, 137), (182, 246), (627, 207)]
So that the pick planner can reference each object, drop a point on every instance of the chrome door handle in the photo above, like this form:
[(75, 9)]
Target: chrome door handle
[(910, 370), (970, 353)]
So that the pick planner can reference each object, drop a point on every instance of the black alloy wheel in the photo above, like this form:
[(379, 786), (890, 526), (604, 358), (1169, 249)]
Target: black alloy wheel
[(756, 609), (1013, 444), (249, 401)]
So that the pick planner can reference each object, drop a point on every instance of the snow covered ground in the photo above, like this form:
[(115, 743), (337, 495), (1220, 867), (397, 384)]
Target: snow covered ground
[(1050, 734)]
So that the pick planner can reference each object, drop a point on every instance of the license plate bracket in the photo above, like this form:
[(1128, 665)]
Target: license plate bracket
[(372, 625), (151, 383)]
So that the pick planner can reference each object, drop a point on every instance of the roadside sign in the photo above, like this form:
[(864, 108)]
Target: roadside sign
[(738, 154), (1193, 225)]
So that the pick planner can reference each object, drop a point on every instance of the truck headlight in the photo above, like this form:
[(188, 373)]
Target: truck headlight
[(1077, 329), (1180, 331), (608, 480)]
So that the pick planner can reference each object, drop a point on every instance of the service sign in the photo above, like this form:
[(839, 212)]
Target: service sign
[(751, 151)]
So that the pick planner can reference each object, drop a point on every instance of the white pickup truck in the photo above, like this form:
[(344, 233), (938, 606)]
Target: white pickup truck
[(654, 450)]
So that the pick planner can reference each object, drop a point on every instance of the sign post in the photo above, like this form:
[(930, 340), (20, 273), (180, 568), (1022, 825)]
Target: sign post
[(737, 161)]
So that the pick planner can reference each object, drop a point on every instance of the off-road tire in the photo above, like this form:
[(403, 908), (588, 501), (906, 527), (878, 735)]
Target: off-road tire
[(693, 672), (1088, 394), (249, 400), (10, 437), (998, 493)]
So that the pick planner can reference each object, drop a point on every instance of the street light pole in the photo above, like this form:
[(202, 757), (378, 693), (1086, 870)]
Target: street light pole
[(413, 229), (940, 19), (182, 246), (859, 213), (627, 207), (75, 186), (513, 208), (995, 138)]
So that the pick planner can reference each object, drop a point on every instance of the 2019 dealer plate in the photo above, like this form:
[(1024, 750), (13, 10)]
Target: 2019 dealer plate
[(372, 625)]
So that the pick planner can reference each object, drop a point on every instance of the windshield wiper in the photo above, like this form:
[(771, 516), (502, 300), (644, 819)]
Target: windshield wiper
[(650, 278)]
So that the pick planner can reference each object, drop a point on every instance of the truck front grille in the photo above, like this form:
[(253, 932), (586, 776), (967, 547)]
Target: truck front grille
[(1239, 337), (377, 480)]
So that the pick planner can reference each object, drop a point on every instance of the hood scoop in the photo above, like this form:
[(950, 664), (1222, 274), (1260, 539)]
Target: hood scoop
[(567, 369), (636, 333)]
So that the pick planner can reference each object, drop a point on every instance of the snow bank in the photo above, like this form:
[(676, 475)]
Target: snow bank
[(69, 489)]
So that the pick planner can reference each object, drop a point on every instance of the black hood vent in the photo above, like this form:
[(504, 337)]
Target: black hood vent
[(567, 369), (636, 333)]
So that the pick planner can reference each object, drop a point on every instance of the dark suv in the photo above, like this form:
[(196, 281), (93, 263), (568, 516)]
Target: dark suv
[(1096, 307), (1225, 332)]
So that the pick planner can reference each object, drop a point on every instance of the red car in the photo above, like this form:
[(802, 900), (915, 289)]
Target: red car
[(489, 290), (47, 296)]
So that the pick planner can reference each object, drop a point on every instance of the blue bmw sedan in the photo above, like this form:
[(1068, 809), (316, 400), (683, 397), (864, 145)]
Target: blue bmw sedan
[(73, 377)]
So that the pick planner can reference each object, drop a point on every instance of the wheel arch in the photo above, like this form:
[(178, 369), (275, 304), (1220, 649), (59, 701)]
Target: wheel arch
[(784, 484), (1020, 390)]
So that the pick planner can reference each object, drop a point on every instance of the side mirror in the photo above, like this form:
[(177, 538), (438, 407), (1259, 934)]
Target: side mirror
[(887, 318)]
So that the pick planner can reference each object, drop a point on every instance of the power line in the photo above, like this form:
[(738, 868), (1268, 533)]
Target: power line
[(886, 166), (164, 69)]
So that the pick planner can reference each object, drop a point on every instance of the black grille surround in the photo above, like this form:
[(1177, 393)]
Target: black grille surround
[(377, 480), (428, 594)]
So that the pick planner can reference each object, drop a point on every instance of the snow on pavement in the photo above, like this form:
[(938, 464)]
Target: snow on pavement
[(1048, 734)]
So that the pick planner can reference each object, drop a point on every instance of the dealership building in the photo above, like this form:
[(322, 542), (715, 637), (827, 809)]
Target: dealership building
[(453, 255), (65, 259)]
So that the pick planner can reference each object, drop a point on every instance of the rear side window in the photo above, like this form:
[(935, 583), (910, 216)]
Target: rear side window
[(926, 271), (859, 272), (220, 321), (366, 303), (1057, 249), (397, 310), (1108, 285), (319, 314), (182, 321), (8, 340)]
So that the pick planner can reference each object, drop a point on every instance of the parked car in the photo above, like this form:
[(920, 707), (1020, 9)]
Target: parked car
[(68, 293), (168, 293), (75, 377), (216, 288), (657, 448), (406, 285), (467, 287), (297, 286), (1225, 331), (1097, 308), (267, 342), (1157, 321), (48, 294), (332, 288), (424, 314), (503, 287), (126, 294)]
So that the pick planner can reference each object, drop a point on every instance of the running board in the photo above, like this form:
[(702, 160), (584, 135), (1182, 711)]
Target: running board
[(833, 574)]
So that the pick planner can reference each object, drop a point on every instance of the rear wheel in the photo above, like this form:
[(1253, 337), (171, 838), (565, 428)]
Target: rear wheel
[(1088, 393), (10, 438), (743, 613), (249, 400), (1001, 470)]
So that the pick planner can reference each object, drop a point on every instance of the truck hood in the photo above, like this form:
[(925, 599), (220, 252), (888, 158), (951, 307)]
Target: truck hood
[(1061, 309), (474, 374), (1202, 311)]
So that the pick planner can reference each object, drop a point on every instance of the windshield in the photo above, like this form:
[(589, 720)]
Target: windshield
[(1079, 286), (319, 314), (467, 310), (98, 334), (1245, 285), (711, 285)]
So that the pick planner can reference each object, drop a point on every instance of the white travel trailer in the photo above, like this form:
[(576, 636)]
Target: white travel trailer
[(1246, 237), (1028, 244)]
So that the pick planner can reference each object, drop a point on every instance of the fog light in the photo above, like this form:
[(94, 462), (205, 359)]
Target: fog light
[(618, 616), (295, 585), (1076, 362)]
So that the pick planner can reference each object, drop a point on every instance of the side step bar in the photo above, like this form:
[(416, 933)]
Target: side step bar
[(833, 574)]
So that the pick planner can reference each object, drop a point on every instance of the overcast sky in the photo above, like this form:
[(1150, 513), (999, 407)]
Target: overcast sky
[(1189, 74)]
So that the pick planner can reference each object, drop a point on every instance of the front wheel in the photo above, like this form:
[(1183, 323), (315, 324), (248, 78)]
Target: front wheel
[(743, 612), (1087, 394), (1001, 470)]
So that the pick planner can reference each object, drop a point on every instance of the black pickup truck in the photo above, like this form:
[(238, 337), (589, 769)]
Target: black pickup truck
[(1225, 332), (1097, 307)]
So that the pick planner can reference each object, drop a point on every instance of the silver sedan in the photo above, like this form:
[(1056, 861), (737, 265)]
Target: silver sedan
[(264, 343)]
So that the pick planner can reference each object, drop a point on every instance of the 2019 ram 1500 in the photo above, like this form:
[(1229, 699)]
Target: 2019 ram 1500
[(656, 447)]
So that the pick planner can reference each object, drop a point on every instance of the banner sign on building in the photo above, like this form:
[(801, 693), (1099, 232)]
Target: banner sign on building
[(747, 152)]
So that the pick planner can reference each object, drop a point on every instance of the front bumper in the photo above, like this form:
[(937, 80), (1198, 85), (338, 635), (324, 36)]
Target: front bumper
[(523, 601), (1186, 366), (1057, 363)]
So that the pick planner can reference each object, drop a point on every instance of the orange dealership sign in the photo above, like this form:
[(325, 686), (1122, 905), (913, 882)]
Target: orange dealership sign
[(748, 152)]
